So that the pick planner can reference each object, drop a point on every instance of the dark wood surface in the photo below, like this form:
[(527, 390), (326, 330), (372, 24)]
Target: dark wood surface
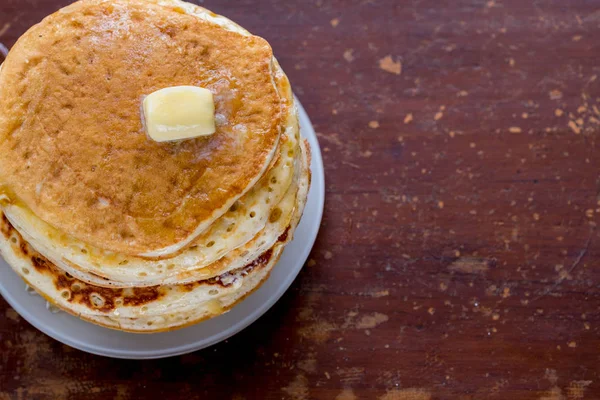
[(459, 256)]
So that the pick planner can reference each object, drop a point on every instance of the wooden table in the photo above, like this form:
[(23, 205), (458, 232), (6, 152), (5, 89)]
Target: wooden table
[(459, 256)]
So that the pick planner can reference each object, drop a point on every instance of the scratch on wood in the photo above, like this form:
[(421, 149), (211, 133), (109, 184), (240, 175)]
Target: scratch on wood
[(471, 265), (571, 269), (4, 29), (351, 164)]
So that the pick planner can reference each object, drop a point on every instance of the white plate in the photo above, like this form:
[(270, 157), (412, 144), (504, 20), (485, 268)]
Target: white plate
[(94, 339)]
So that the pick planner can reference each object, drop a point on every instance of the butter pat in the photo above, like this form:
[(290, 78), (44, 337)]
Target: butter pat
[(179, 112)]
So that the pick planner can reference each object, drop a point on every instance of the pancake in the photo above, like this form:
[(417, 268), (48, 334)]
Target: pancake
[(103, 305), (189, 266), (176, 320), (257, 208), (72, 146), (122, 231), (151, 309)]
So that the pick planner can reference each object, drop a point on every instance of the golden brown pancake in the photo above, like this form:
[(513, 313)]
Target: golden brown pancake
[(231, 231), (147, 309), (72, 145), (135, 309), (113, 227)]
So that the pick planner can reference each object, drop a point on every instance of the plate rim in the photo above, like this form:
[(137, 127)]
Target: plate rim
[(317, 189)]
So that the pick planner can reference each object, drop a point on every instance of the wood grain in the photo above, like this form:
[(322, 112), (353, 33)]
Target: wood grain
[(459, 253)]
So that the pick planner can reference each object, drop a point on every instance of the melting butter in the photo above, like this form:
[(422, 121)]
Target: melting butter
[(178, 113)]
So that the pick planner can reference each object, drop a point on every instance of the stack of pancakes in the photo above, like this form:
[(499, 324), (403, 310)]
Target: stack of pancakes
[(118, 229)]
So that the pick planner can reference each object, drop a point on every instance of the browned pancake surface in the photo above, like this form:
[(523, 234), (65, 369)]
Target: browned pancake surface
[(101, 299), (72, 144)]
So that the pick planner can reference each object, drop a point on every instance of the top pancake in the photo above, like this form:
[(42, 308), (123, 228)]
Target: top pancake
[(72, 145)]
